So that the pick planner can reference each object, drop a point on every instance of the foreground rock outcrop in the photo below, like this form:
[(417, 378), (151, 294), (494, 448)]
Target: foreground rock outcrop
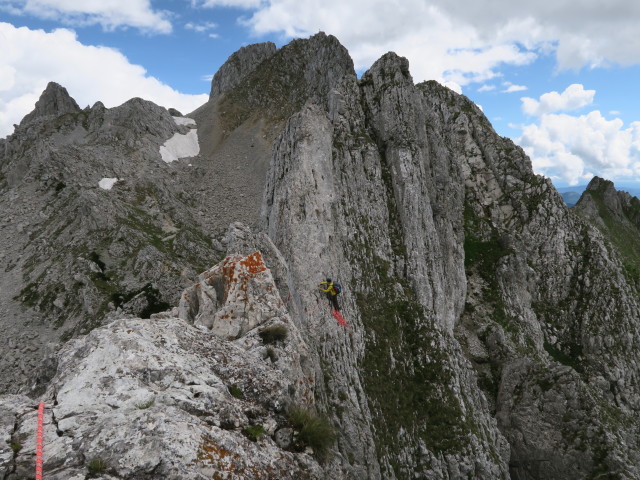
[(163, 398)]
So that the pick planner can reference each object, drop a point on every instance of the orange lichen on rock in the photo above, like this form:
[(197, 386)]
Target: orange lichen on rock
[(216, 456), (230, 465), (210, 452), (254, 263), (237, 268), (229, 269)]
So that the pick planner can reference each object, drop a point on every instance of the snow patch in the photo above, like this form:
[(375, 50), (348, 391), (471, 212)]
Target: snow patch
[(107, 183), (180, 146), (184, 121)]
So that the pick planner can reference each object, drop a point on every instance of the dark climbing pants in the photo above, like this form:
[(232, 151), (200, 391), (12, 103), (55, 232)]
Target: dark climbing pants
[(334, 301)]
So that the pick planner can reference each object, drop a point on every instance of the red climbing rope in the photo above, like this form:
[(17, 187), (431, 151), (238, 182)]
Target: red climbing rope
[(39, 441), (338, 316)]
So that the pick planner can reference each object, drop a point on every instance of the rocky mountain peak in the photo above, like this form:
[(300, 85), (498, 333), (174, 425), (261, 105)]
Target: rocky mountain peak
[(601, 184), (602, 194), (303, 70), (239, 65), (390, 68), (617, 215), (55, 100)]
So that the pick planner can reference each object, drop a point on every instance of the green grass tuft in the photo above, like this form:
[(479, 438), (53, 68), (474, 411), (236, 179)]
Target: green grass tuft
[(96, 466), (313, 430), (145, 405), (236, 392), (272, 355), (273, 334), (254, 432)]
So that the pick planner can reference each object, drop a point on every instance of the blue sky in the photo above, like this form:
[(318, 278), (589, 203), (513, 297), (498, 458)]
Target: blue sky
[(559, 77)]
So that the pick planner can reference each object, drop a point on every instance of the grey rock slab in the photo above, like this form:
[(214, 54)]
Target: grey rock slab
[(146, 397)]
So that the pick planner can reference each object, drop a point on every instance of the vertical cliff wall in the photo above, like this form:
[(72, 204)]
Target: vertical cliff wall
[(484, 312)]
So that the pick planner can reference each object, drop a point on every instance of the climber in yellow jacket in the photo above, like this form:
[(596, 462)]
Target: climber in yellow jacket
[(331, 290)]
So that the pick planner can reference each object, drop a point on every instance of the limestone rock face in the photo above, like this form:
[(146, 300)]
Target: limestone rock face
[(73, 252), (54, 102), (155, 398), (332, 208), (163, 398), (233, 297), (441, 231), (240, 64), (617, 215)]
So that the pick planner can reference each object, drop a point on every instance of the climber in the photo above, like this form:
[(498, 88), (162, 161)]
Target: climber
[(332, 290)]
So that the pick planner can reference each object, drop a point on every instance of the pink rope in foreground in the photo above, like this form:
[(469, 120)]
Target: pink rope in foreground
[(39, 441)]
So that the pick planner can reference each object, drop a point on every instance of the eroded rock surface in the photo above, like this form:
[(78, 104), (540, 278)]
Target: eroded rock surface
[(162, 398), (441, 232), (239, 65)]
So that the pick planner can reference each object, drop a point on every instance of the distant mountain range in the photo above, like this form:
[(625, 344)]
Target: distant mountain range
[(571, 195)]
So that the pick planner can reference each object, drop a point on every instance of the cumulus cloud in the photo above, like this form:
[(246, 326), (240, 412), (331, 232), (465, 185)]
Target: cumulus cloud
[(246, 4), (201, 27), (461, 41), (573, 97), (32, 58), (437, 47), (110, 14), (584, 35), (513, 88), (574, 148)]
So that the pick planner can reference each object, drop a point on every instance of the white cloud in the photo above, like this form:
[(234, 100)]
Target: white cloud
[(513, 88), (581, 34), (436, 47), (574, 148), (201, 27), (615, 113), (453, 86), (573, 97), (487, 88), (110, 14), (461, 41), (245, 4), (32, 58)]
